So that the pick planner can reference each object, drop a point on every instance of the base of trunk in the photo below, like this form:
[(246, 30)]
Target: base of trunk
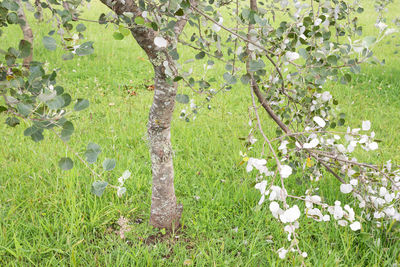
[(171, 221)]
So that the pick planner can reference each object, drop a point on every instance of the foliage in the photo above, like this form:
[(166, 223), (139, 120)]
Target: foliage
[(286, 65)]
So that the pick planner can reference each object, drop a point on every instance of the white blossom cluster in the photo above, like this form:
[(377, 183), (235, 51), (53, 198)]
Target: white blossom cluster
[(120, 188), (376, 190)]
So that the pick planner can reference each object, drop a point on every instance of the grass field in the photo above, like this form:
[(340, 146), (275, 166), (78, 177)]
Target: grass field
[(50, 218)]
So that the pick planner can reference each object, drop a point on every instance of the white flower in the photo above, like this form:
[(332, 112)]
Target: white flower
[(124, 177), (326, 96), (285, 171), (373, 146), (159, 41), (350, 213), (261, 186), (259, 164), (355, 226), (346, 188), (318, 120), (316, 214), (366, 125), (275, 209), (342, 222), (316, 199), (277, 193), (304, 254), (290, 215), (390, 31), (282, 253), (215, 27), (282, 147), (382, 191), (252, 139), (290, 56), (381, 26), (341, 148), (313, 143), (389, 197), (121, 191), (350, 148), (126, 174), (378, 215), (354, 182), (336, 211)]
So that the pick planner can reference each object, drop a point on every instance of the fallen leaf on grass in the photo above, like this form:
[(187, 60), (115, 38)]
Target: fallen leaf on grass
[(187, 262)]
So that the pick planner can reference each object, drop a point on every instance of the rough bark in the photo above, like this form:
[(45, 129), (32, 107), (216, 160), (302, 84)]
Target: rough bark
[(27, 32), (165, 212)]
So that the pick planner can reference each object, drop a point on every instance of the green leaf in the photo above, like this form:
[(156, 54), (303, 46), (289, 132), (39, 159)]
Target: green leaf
[(98, 187), (3, 109), (229, 78), (332, 59), (124, 31), (12, 18), (24, 109), (85, 49), (80, 28), (200, 55), (81, 104), (369, 40), (38, 135), (245, 79), (12, 121), (139, 20), (256, 65), (178, 78), (34, 132), (67, 99), (118, 36), (49, 43), (179, 12), (25, 48), (109, 164), (92, 152), (66, 164), (184, 99), (56, 103), (67, 131), (346, 79), (68, 56)]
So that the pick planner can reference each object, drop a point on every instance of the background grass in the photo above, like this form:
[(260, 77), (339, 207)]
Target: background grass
[(50, 218)]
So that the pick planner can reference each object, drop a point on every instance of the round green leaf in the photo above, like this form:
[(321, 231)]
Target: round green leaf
[(81, 104), (80, 28), (98, 187), (92, 152), (49, 43), (66, 164), (66, 132), (109, 164), (118, 36), (184, 99)]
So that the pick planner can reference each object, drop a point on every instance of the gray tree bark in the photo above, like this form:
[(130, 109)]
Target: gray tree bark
[(27, 32), (165, 212)]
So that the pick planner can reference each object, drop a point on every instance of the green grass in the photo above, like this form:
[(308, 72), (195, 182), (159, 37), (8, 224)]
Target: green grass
[(50, 218)]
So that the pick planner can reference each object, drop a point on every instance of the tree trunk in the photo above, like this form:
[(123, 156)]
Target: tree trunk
[(27, 31), (165, 212)]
